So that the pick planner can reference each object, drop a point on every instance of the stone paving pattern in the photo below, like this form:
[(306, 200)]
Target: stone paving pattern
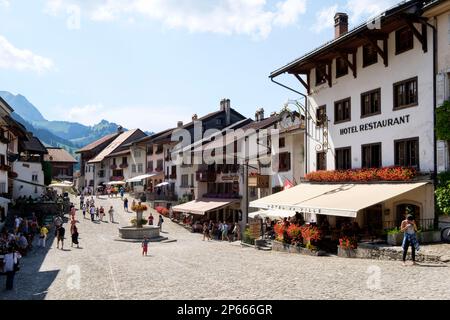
[(192, 269)]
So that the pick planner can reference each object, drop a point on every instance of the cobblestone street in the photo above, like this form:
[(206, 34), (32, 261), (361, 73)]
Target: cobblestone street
[(192, 269)]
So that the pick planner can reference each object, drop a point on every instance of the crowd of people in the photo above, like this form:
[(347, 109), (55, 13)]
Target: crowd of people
[(96, 213), (221, 231)]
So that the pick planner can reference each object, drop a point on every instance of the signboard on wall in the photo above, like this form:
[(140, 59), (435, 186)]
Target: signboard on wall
[(255, 229), (230, 178)]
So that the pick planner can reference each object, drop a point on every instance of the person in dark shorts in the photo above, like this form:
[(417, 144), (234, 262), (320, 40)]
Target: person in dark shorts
[(74, 231), (60, 232)]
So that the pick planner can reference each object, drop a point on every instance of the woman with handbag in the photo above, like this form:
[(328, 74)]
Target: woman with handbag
[(11, 266)]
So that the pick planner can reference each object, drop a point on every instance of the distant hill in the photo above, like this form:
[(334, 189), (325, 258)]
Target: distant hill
[(69, 135)]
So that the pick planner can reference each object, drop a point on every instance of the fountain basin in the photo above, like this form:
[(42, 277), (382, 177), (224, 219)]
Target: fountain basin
[(151, 232)]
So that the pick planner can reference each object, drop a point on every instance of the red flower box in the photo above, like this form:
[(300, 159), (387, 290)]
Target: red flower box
[(364, 175)]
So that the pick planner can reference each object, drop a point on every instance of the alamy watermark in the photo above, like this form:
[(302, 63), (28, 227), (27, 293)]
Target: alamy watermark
[(230, 147)]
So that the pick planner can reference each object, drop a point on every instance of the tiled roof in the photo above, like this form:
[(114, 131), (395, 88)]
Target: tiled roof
[(95, 144), (59, 155), (33, 144), (113, 146)]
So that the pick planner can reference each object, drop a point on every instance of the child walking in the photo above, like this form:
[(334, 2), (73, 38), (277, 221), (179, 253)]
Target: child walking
[(145, 246)]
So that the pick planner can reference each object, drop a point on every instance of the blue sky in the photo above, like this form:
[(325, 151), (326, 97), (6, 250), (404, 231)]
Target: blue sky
[(150, 63)]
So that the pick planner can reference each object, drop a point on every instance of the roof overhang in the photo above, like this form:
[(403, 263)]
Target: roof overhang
[(390, 21)]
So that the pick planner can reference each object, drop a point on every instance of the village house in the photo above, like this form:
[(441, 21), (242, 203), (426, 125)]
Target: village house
[(87, 173), (369, 104), (21, 156), (61, 162), (168, 180), (111, 163), (28, 167)]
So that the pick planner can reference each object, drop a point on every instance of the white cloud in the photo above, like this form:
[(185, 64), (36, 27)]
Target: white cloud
[(5, 3), (146, 118), (360, 10), (243, 17), (324, 19), (289, 11), (22, 59)]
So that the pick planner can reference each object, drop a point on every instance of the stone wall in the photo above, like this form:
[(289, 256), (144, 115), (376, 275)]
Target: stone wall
[(366, 251)]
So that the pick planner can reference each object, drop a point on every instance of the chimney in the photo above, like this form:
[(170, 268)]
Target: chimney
[(180, 124), (194, 117), (257, 115), (227, 109), (340, 24), (222, 104), (261, 114)]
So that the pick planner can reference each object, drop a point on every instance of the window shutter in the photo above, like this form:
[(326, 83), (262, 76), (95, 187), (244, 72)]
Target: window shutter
[(440, 89)]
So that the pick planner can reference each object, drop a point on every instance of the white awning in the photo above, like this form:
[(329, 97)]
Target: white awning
[(202, 206), (343, 200), (272, 214), (162, 184), (140, 178), (113, 183)]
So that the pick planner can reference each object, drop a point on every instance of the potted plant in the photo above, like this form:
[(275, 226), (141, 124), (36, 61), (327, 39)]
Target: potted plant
[(394, 237), (142, 222), (139, 209), (347, 247), (309, 234)]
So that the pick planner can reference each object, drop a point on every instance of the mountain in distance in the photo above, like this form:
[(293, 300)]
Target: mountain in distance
[(69, 135)]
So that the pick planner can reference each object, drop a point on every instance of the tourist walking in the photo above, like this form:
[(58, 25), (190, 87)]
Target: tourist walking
[(205, 231), (11, 266), (92, 212), (74, 232), (60, 232), (122, 192), (145, 246), (225, 231), (125, 204), (211, 229), (43, 236), (150, 219), (101, 213), (97, 213), (236, 232), (57, 222), (111, 214), (409, 227), (84, 212), (219, 231), (81, 201), (160, 222)]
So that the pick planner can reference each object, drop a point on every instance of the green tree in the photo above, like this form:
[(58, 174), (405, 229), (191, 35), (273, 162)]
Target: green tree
[(443, 193), (443, 133), (47, 168), (443, 122)]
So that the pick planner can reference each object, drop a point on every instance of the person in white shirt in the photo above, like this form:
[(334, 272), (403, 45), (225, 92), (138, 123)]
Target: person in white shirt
[(10, 260), (111, 214)]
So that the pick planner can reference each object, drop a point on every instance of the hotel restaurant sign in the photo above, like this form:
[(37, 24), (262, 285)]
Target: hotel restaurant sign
[(376, 125), (293, 208)]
